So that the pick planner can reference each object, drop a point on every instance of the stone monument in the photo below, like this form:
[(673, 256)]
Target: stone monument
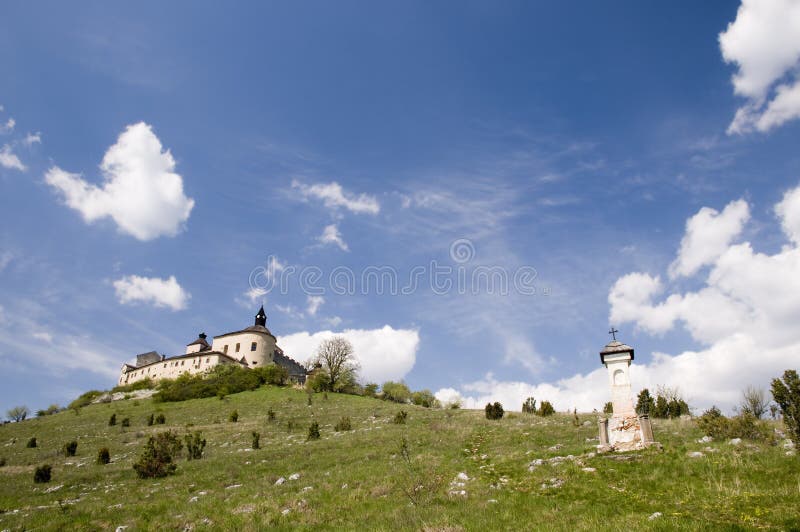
[(625, 431)]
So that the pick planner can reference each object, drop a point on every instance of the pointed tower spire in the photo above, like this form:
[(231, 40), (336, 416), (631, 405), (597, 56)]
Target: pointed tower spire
[(261, 317)]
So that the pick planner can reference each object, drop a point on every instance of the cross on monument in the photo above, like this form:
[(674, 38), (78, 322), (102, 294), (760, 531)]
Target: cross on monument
[(613, 332)]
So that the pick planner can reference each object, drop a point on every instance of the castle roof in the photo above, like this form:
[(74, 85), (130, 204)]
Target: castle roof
[(201, 341), (258, 329)]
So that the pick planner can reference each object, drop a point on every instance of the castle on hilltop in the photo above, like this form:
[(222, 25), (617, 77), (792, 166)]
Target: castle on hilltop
[(252, 347)]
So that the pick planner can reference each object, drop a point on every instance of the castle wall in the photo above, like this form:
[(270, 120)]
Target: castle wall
[(173, 368)]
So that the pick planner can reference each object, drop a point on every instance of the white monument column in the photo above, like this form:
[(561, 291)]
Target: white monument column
[(624, 428)]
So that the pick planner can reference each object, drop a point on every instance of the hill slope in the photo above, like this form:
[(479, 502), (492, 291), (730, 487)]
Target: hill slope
[(368, 479)]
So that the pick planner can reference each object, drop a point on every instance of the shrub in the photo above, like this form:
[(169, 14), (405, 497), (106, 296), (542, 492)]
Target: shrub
[(400, 418), (317, 381), (313, 431), (786, 393), (343, 424), (85, 399), (576, 421), (234, 417), (529, 406), (453, 404), (160, 419), (42, 474), (425, 398), (150, 420), (52, 409), (270, 415), (220, 381), (31, 443), (754, 401), (103, 456), (745, 425), (546, 409), (195, 443), (608, 408), (370, 390), (272, 374), (144, 384), (310, 395), (396, 392), (2, 462), (494, 411), (70, 448), (157, 457), (112, 420), (256, 440), (126, 422)]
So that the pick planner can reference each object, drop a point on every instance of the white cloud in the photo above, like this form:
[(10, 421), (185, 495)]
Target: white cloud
[(331, 235), (141, 192), (788, 210), (384, 354), (708, 234), (32, 138), (45, 337), (5, 259), (333, 321), (151, 290), (313, 304), (8, 127), (333, 196), (8, 159), (255, 295), (764, 43)]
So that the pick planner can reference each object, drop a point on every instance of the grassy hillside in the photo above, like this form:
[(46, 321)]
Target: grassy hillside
[(368, 479)]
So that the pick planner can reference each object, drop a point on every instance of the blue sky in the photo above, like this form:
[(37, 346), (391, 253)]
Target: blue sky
[(576, 139)]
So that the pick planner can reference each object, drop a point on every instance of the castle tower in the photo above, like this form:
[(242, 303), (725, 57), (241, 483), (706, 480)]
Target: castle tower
[(261, 317)]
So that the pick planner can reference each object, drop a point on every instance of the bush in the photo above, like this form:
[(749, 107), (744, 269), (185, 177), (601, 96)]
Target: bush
[(103, 456), (425, 398), (608, 408), (396, 392), (2, 462), (126, 422), (546, 409), (370, 390), (160, 419), (343, 424), (256, 440), (70, 448), (234, 417), (400, 418), (494, 411), (745, 425), (112, 420), (754, 400), (52, 409), (270, 415), (220, 381), (156, 460), (529, 406), (194, 445), (31, 443), (453, 404), (42, 474), (313, 431), (786, 393), (85, 399), (150, 420), (272, 374), (144, 384)]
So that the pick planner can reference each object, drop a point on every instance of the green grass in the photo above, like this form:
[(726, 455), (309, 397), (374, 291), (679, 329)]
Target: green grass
[(363, 479)]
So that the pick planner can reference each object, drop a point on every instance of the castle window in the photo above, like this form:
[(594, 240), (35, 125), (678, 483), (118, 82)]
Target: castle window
[(225, 349), (254, 362), (165, 365), (237, 348), (208, 360), (253, 346), (182, 361)]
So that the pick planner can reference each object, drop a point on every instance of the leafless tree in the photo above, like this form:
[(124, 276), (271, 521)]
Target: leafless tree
[(337, 360), (18, 413), (754, 401)]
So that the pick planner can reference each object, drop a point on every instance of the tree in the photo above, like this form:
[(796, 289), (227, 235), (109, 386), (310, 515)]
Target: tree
[(336, 358), (608, 408), (546, 409), (645, 404), (786, 393), (529, 406), (754, 401), (425, 398), (370, 389), (18, 413), (397, 392), (494, 411), (662, 408)]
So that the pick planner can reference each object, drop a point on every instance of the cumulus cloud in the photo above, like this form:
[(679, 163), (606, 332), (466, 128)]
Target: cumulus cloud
[(151, 290), (331, 235), (708, 234), (384, 354), (141, 192), (333, 196), (764, 43), (32, 138), (8, 127), (743, 317), (8, 159)]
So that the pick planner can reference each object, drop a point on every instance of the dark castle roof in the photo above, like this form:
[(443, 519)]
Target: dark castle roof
[(259, 329)]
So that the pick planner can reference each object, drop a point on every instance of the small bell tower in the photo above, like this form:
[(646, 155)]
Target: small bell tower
[(261, 317)]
